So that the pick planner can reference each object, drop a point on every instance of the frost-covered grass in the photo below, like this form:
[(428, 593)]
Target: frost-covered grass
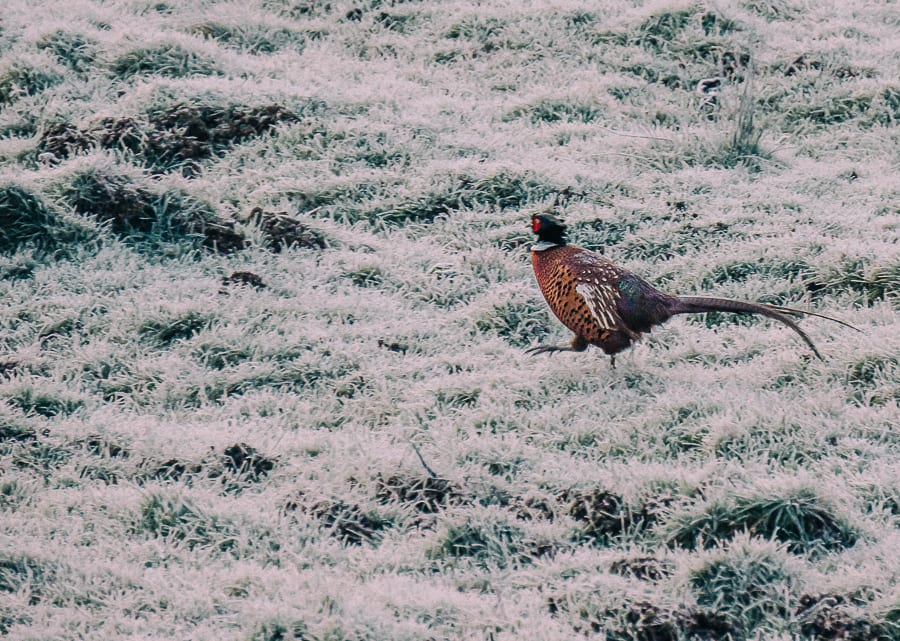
[(257, 257)]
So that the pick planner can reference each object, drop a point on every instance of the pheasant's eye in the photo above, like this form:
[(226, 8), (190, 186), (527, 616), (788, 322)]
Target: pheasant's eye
[(535, 225)]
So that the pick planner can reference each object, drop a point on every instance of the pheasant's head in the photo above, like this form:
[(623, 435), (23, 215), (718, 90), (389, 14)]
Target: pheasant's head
[(548, 228)]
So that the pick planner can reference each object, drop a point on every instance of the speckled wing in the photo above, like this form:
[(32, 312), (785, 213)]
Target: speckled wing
[(597, 283)]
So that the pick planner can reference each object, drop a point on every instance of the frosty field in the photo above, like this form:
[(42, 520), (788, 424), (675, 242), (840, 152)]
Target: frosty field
[(265, 292)]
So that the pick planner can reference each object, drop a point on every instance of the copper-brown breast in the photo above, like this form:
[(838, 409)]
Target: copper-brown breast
[(558, 276)]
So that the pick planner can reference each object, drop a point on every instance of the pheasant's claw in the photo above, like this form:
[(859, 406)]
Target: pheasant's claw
[(542, 349)]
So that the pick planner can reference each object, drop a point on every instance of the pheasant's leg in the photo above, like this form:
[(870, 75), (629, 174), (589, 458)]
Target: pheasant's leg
[(578, 344), (612, 361)]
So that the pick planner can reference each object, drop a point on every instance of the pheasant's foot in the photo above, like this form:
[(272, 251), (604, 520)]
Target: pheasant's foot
[(578, 344), (548, 349)]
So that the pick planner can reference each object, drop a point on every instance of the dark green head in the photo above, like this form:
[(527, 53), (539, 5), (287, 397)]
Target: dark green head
[(548, 228)]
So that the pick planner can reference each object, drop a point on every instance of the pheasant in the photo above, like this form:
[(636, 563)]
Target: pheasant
[(608, 306)]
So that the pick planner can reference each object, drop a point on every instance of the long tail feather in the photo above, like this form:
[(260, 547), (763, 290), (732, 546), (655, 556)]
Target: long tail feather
[(804, 312), (700, 304)]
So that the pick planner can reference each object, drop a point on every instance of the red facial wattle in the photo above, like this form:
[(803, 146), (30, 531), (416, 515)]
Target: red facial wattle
[(535, 225)]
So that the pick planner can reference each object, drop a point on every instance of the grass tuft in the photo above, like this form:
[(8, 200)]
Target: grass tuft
[(749, 584), (252, 38), (169, 328), (75, 50), (138, 214), (519, 320), (873, 380), (25, 78), (27, 221), (555, 110), (45, 403), (22, 573), (744, 148), (179, 520), (503, 190), (489, 542), (168, 59), (800, 518), (854, 275)]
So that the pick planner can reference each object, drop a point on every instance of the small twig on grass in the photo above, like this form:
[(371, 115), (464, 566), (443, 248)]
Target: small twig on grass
[(644, 136), (422, 460)]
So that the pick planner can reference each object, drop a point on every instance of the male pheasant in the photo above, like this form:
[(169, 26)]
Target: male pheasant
[(608, 306)]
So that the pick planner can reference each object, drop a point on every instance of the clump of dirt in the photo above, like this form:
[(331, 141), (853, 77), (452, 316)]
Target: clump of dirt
[(393, 346), (64, 139), (645, 568), (235, 460), (604, 515), (99, 446), (348, 523), (646, 621), (535, 507), (218, 235), (247, 461), (116, 200), (282, 231), (426, 494), (8, 368), (177, 137), (174, 470), (244, 278), (828, 617)]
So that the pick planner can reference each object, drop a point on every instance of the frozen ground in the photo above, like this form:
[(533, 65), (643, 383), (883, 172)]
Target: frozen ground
[(205, 434)]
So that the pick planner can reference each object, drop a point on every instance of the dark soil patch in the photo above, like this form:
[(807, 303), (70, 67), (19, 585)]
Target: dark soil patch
[(349, 523), (174, 470), (17, 433), (101, 447), (8, 368), (283, 231), (604, 516), (174, 138), (137, 213), (239, 459), (244, 278), (645, 568), (247, 461), (116, 200), (827, 617), (426, 494), (64, 139), (393, 346), (646, 621)]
